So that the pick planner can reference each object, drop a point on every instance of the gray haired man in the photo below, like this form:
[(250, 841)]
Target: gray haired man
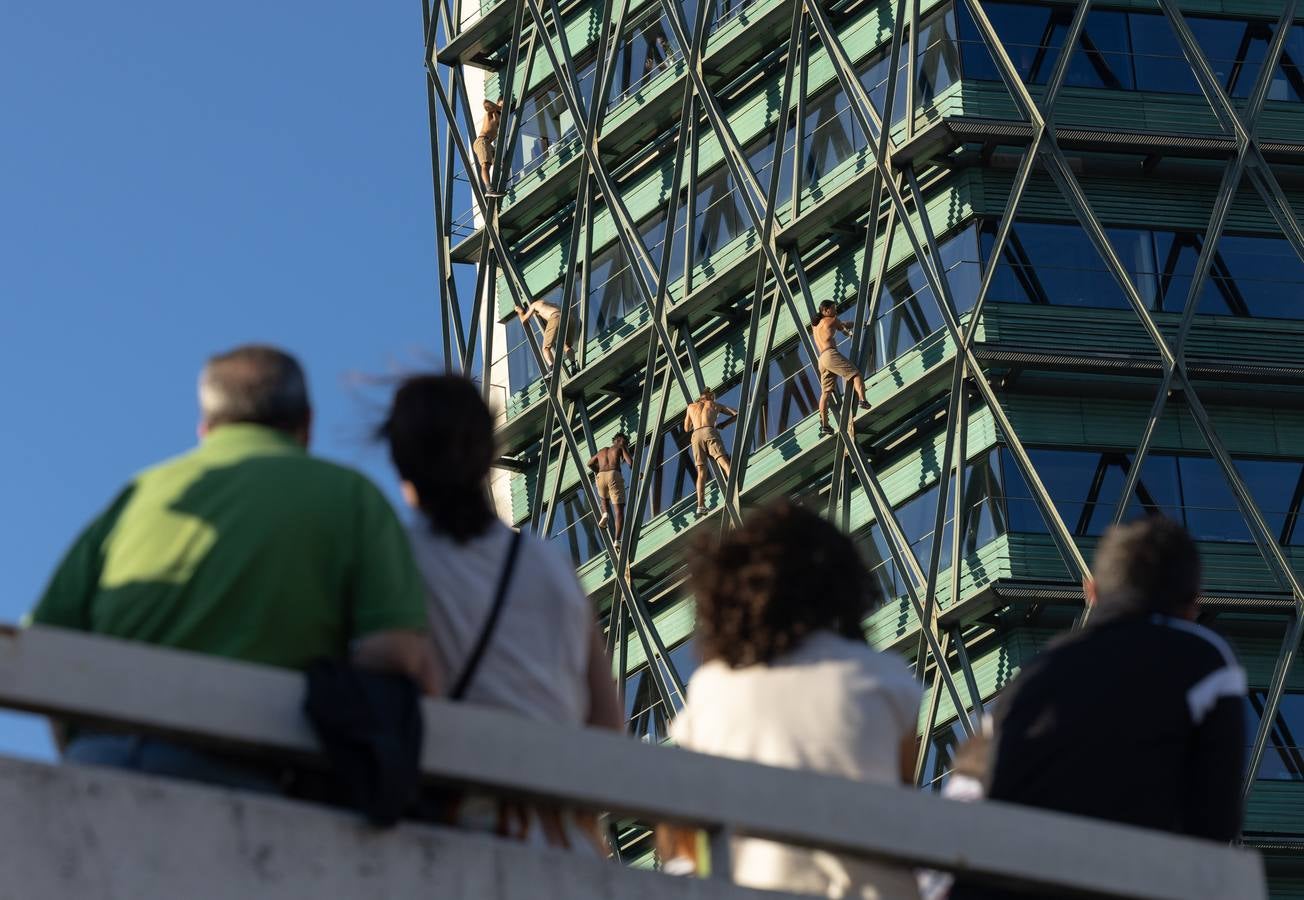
[(245, 547)]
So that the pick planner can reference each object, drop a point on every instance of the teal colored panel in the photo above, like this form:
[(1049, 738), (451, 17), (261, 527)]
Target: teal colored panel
[(993, 668), (1074, 421), (1276, 807), (673, 625)]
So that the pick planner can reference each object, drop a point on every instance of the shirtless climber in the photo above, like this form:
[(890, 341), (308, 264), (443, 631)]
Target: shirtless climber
[(833, 365), (610, 481), (699, 421), (484, 144), (551, 316)]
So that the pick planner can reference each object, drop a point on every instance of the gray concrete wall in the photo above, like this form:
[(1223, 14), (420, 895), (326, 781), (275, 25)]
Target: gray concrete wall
[(98, 834)]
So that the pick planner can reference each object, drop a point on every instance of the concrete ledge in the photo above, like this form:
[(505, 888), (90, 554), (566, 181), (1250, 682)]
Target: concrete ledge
[(100, 834)]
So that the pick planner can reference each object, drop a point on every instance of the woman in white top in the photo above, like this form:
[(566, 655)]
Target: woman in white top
[(544, 658), (788, 680)]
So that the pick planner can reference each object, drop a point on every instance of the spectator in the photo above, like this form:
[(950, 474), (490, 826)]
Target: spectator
[(544, 659), (1137, 718), (788, 680), (245, 547)]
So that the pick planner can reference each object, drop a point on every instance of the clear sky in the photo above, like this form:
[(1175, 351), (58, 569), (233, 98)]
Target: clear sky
[(176, 179)]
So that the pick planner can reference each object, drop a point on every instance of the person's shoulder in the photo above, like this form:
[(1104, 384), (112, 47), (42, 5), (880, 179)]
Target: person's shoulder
[(334, 473), (858, 655), (169, 466), (1194, 640)]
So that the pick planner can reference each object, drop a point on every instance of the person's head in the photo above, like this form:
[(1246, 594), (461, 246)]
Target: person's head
[(1147, 566), (258, 385), (441, 440), (708, 395), (827, 308), (490, 106), (784, 573), (620, 441)]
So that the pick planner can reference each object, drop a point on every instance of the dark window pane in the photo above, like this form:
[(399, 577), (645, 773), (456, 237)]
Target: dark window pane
[(1031, 35), (1283, 759), (1288, 82), (1086, 486), (1235, 50), (1160, 65), (1103, 55), (1208, 502), (1272, 484), (1255, 276), (1054, 263)]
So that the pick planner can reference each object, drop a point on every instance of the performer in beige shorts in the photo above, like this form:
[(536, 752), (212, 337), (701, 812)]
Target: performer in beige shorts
[(610, 481), (700, 422), (484, 144), (832, 364), (551, 316)]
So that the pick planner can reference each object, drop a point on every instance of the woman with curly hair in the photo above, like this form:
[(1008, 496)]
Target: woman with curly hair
[(788, 680)]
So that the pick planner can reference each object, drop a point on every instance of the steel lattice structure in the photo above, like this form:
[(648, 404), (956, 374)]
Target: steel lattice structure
[(681, 121)]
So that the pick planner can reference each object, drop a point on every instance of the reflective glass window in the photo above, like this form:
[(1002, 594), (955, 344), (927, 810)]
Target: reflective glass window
[(937, 62), (646, 51), (1157, 56), (829, 130), (1031, 35), (984, 521), (1085, 487), (1052, 263), (645, 709), (613, 290), (909, 312), (1208, 502), (721, 216), (1283, 757), (574, 528), (1235, 50), (1275, 486), (1255, 276)]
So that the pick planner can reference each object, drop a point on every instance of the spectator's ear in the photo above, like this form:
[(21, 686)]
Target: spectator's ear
[(409, 491), (1089, 589)]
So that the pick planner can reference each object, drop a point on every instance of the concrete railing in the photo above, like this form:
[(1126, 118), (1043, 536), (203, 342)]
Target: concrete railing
[(258, 710)]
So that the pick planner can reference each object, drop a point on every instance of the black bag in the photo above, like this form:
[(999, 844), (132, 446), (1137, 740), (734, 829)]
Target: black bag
[(370, 725)]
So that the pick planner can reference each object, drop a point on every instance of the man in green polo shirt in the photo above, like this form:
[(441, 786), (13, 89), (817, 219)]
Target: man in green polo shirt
[(245, 547)]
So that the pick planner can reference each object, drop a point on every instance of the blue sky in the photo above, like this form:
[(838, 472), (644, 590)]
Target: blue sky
[(180, 178)]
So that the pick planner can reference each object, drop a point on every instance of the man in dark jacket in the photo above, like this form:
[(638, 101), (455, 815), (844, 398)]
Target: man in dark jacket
[(1137, 718)]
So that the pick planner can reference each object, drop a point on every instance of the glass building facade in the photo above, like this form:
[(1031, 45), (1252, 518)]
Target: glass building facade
[(1095, 234)]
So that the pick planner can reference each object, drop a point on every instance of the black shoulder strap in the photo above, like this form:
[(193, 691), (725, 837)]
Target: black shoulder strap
[(500, 600)]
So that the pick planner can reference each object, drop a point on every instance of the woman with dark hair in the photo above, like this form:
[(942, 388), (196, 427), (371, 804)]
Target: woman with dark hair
[(788, 680), (542, 655)]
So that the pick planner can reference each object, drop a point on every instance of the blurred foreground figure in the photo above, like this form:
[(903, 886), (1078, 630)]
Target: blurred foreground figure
[(788, 680), (245, 547), (510, 626), (1138, 717)]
